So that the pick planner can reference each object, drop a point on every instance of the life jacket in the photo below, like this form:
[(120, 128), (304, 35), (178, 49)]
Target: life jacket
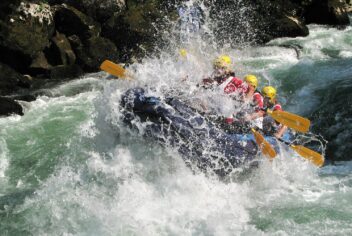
[(258, 101), (255, 103), (234, 84)]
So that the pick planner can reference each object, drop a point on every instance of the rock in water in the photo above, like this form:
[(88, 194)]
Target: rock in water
[(11, 81), (9, 106)]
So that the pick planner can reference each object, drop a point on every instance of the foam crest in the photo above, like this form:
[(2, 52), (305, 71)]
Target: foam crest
[(4, 163), (119, 196)]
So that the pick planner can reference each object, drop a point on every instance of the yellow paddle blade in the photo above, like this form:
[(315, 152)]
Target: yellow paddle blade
[(113, 69), (266, 148), (292, 121), (309, 154)]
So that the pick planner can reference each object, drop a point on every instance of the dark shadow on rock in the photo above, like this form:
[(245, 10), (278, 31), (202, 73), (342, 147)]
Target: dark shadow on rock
[(9, 106), (71, 21), (329, 12), (11, 81), (17, 59), (26, 98), (65, 72)]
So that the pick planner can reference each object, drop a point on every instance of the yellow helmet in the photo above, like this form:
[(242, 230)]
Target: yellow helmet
[(251, 80), (269, 92), (183, 52), (223, 61)]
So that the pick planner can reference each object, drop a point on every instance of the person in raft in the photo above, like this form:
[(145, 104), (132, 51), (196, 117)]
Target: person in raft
[(222, 76), (270, 126), (252, 99), (244, 91)]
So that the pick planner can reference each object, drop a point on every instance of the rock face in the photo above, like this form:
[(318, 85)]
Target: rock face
[(24, 33), (100, 10), (258, 21), (61, 51), (329, 12), (138, 28), (70, 21), (28, 29), (89, 49)]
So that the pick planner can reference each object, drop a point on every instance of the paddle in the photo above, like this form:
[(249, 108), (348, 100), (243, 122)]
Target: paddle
[(266, 148), (114, 69), (292, 121), (314, 157)]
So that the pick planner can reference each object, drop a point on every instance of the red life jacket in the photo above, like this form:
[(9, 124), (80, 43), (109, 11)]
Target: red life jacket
[(235, 85), (274, 106), (277, 107), (258, 101)]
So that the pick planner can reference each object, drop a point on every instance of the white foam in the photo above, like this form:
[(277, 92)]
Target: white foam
[(123, 196), (345, 54), (4, 163)]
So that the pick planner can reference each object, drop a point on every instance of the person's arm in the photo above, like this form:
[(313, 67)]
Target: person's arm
[(233, 85), (255, 115), (281, 131)]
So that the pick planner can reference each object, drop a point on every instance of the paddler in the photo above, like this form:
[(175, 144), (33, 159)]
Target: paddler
[(270, 126), (222, 75), (251, 97)]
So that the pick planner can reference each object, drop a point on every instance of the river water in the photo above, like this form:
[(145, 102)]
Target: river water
[(69, 166)]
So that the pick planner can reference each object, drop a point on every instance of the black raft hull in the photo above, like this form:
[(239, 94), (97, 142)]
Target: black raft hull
[(171, 122)]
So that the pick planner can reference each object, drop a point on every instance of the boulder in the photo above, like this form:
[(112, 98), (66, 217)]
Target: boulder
[(259, 21), (65, 71), (7, 7), (288, 26), (349, 6), (26, 97), (24, 33), (103, 9), (28, 29), (67, 55), (118, 31), (40, 65), (60, 51), (138, 29), (11, 81), (57, 61), (330, 12), (17, 59), (9, 106), (100, 10), (70, 21), (91, 53)]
